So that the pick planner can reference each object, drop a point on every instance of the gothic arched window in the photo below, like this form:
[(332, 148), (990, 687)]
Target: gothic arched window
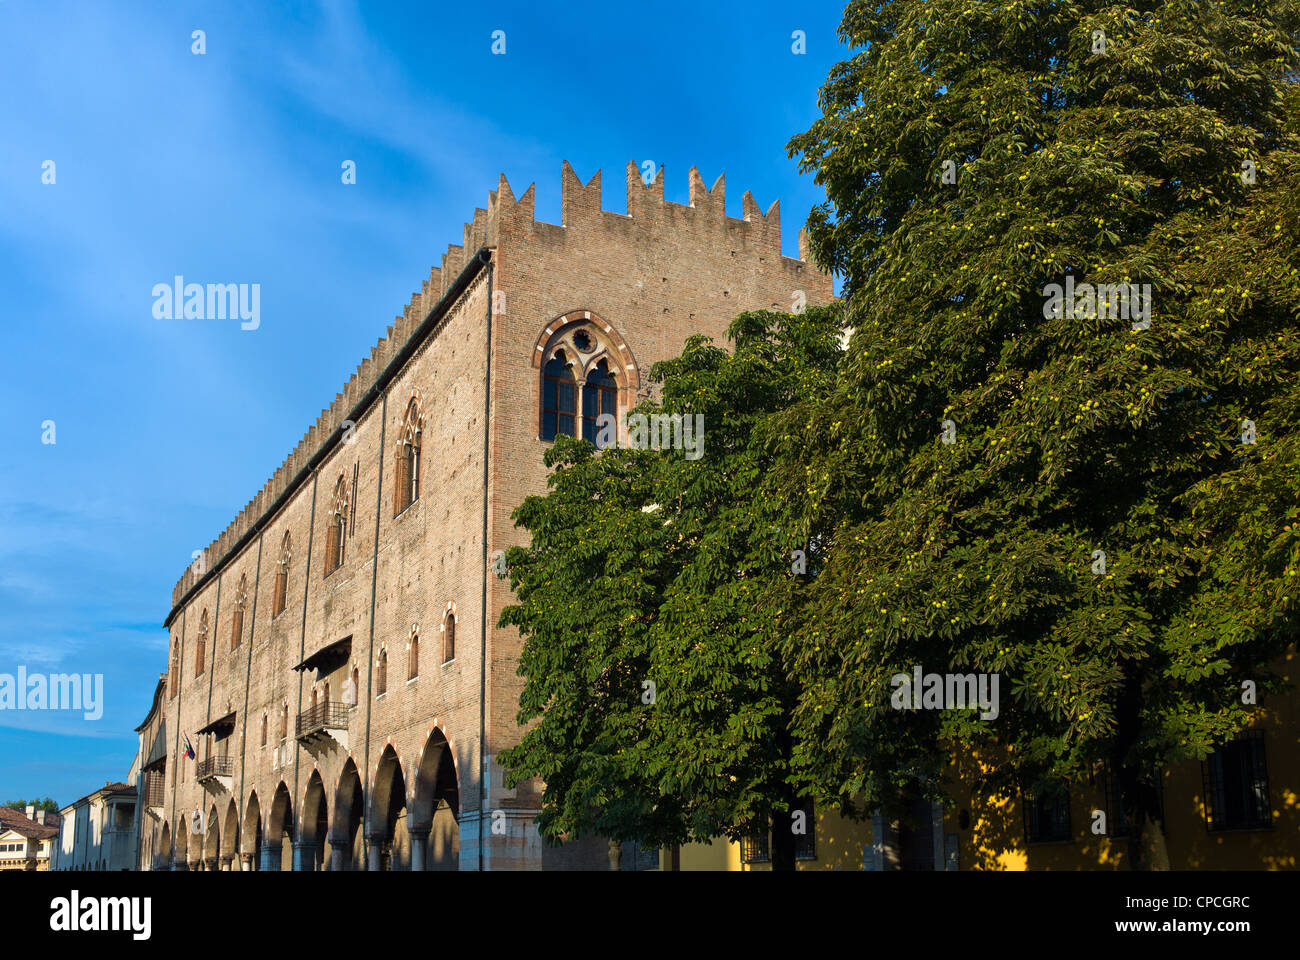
[(409, 441), (449, 634), (336, 532), (200, 649), (237, 618), (599, 398), (559, 398), (587, 372), (413, 655), (282, 576)]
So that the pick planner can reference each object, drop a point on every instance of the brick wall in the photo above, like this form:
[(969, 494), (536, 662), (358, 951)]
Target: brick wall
[(642, 283)]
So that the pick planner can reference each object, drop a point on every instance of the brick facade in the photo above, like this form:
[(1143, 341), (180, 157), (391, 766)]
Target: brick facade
[(401, 774)]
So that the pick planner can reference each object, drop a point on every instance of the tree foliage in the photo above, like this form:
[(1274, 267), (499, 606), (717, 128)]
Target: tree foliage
[(654, 597), (1163, 155)]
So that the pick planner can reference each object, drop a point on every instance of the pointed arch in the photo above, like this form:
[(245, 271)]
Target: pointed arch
[(435, 805), (175, 679), (237, 616), (336, 531), (407, 454), (413, 653), (201, 646), (211, 839), (349, 812), (387, 825), (448, 630), (314, 829), (281, 592), (162, 860), (230, 834), (252, 832), (582, 347), (280, 828)]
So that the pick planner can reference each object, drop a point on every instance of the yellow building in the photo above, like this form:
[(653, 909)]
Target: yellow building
[(1237, 810), (26, 838)]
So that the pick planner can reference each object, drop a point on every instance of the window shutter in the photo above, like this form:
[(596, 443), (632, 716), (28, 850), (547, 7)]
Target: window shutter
[(331, 547), (403, 483)]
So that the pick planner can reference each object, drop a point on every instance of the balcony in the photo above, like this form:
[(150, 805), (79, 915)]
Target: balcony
[(323, 726), (216, 773)]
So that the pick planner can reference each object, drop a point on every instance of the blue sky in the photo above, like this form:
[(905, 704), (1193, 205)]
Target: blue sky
[(225, 167)]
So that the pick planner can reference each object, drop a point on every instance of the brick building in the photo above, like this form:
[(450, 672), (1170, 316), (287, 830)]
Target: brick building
[(334, 660)]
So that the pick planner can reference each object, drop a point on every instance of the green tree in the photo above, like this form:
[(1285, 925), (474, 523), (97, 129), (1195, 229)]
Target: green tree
[(653, 598), (47, 804), (974, 154)]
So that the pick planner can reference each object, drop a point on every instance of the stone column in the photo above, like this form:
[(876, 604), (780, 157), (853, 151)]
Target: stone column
[(615, 855), (419, 843), (338, 853), (304, 855), (246, 862), (270, 857), (374, 861)]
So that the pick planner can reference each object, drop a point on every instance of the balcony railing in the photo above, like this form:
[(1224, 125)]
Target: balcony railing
[(330, 715), (216, 767)]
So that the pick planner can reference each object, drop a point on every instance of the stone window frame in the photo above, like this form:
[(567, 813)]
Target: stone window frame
[(406, 492), (201, 647), (381, 671), (609, 345), (336, 531), (413, 654), (449, 615), (237, 616), (280, 597)]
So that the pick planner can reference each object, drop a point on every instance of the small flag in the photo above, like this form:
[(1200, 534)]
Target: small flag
[(189, 750)]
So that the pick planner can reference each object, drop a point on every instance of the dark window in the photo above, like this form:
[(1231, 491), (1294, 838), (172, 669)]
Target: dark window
[(336, 532), (413, 666), (1047, 816), (754, 847), (599, 396), (407, 489), (559, 399), (633, 856), (1235, 778), (1116, 814), (381, 682), (200, 649), (282, 577), (449, 638)]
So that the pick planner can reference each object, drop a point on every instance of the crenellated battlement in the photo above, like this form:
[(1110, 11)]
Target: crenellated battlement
[(581, 209), (504, 219)]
